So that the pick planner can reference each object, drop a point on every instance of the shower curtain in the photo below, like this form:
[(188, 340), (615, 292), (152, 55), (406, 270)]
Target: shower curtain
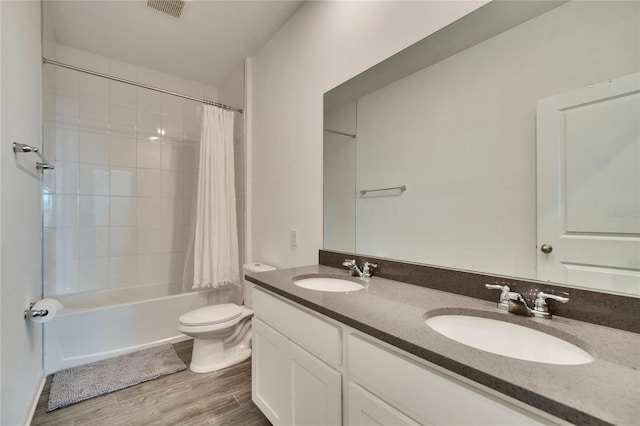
[(214, 237)]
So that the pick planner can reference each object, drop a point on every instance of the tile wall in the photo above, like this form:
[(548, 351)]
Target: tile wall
[(116, 209)]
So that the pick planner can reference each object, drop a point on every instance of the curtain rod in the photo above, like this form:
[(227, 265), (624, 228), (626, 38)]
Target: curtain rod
[(144, 86)]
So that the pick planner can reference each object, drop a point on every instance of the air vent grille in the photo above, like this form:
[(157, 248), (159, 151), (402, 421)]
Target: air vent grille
[(170, 7)]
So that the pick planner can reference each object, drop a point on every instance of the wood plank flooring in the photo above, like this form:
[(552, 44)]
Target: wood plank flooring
[(184, 398)]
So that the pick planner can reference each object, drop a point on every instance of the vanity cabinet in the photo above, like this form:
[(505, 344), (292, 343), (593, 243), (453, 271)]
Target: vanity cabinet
[(289, 384), (298, 374)]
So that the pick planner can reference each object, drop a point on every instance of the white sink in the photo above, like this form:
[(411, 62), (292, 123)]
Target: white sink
[(507, 339), (323, 283)]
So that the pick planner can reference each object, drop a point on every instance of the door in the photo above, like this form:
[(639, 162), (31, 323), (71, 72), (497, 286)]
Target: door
[(268, 365), (588, 176), (316, 390)]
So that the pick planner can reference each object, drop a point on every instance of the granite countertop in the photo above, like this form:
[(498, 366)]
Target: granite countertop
[(605, 391)]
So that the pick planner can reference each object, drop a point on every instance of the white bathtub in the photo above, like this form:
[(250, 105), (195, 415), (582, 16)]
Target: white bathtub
[(103, 324)]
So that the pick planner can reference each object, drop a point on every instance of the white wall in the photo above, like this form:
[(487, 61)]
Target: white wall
[(461, 135), (321, 46), (21, 350), (118, 205)]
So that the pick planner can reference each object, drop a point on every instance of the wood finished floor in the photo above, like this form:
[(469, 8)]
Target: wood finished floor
[(184, 398)]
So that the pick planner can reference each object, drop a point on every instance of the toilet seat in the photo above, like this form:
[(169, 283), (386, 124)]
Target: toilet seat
[(211, 315)]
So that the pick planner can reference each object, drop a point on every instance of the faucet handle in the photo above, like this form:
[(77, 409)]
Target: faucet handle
[(349, 263), (541, 301), (504, 296), (541, 309), (367, 269)]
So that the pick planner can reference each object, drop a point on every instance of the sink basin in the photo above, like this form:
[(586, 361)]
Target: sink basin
[(327, 283), (507, 339)]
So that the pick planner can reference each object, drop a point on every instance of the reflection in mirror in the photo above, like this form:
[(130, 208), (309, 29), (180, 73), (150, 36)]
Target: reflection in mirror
[(463, 134)]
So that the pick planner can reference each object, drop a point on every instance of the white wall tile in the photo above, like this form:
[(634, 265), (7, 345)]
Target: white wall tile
[(149, 77), (123, 211), (66, 144), (67, 276), (149, 125), (172, 83), (122, 121), (94, 62), (67, 82), (94, 179), (93, 242), (172, 128), (172, 156), (192, 131), (172, 105), (94, 273), (122, 181), (149, 183), (94, 210), (171, 184), (94, 88), (94, 148), (150, 211), (123, 271), (66, 211), (149, 100), (48, 210), (153, 269), (149, 154), (192, 110), (151, 239), (122, 240), (94, 116), (189, 158), (66, 176), (67, 243), (171, 211), (67, 55), (67, 112), (122, 94), (122, 151), (123, 70)]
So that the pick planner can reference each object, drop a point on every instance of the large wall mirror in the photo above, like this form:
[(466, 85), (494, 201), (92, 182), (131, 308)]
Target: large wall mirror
[(506, 143)]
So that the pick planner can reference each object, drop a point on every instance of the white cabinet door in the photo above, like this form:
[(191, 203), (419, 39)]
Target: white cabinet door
[(588, 175), (367, 410), (291, 386), (268, 368), (316, 390)]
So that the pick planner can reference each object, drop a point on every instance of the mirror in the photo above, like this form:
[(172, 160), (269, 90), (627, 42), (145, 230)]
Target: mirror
[(437, 155)]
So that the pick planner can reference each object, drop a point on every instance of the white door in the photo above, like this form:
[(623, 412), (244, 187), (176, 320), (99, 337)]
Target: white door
[(316, 390), (588, 176), (268, 368)]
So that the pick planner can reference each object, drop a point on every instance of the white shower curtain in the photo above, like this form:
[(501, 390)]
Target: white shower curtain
[(215, 236)]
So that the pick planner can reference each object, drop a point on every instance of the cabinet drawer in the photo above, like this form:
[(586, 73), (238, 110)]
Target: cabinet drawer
[(426, 394), (318, 336)]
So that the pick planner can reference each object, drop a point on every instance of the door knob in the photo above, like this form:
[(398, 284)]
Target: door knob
[(546, 248)]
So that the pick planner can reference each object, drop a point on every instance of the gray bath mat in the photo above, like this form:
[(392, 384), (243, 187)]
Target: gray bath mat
[(86, 381)]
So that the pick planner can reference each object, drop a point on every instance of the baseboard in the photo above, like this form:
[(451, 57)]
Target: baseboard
[(35, 397)]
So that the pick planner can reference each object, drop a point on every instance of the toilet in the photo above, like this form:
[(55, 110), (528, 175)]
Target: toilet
[(221, 333)]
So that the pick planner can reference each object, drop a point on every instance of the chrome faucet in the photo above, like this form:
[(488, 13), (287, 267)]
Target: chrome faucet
[(365, 272), (515, 303)]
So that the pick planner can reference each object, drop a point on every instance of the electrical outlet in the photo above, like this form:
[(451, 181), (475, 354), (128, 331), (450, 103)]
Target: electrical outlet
[(293, 238)]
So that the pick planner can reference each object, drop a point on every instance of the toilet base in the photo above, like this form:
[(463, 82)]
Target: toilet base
[(211, 355)]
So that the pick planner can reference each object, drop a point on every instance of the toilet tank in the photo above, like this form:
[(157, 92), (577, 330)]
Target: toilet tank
[(247, 286)]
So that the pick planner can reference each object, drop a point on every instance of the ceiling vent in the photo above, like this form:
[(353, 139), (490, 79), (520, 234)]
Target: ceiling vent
[(170, 7)]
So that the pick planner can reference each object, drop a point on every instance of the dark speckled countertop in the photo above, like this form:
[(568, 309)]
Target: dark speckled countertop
[(605, 391)]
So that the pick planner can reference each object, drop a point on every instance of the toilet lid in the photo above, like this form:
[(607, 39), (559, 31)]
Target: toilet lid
[(213, 314)]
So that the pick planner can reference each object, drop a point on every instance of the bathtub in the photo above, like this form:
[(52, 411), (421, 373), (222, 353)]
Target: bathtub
[(103, 324)]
